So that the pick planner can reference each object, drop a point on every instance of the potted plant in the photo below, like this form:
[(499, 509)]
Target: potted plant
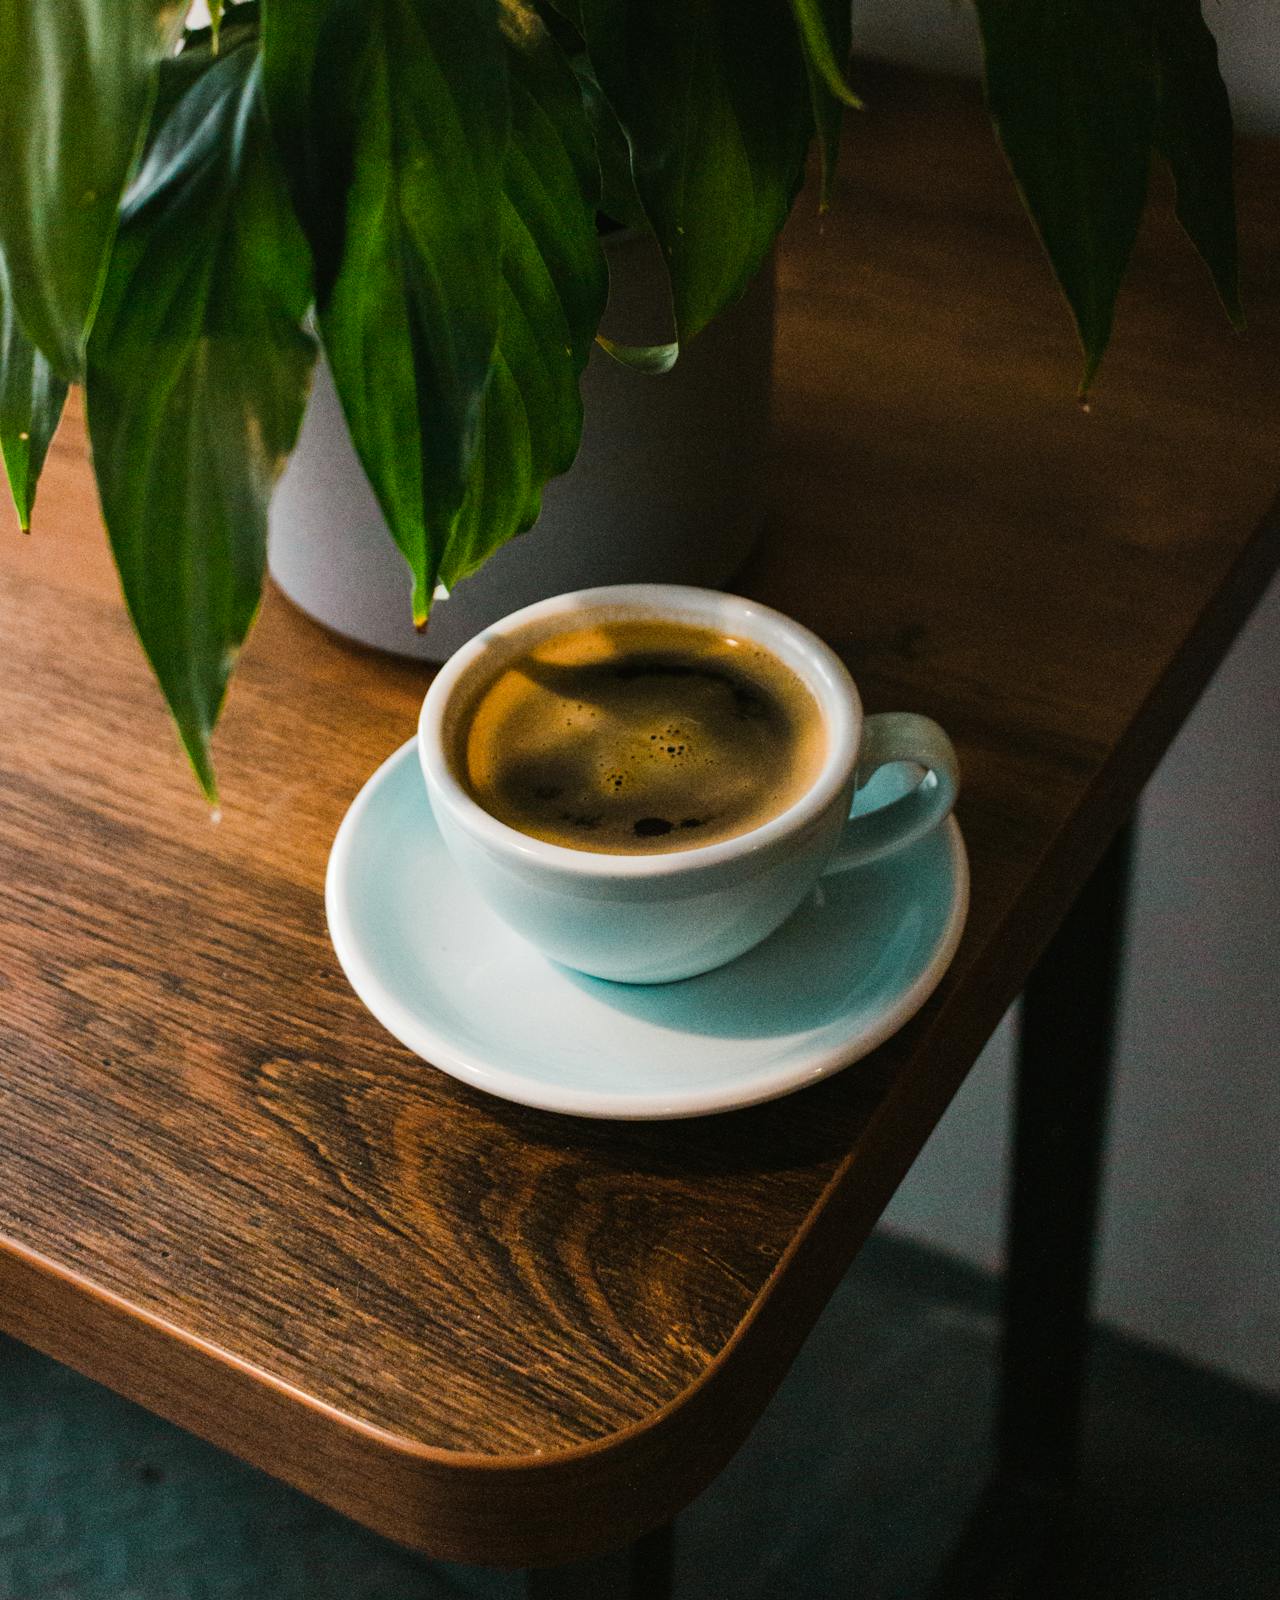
[(416, 185)]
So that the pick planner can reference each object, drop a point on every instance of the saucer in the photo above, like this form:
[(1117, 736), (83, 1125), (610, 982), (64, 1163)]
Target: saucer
[(450, 980)]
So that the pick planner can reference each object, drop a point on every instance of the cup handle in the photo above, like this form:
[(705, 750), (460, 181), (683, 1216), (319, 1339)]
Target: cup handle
[(899, 736)]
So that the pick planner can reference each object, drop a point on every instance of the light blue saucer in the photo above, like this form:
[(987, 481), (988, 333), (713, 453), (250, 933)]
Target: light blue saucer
[(448, 979)]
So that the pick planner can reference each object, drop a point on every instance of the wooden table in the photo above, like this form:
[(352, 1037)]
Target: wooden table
[(507, 1336)]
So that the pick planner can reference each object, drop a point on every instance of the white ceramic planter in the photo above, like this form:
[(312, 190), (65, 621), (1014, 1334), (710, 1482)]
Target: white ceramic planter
[(667, 486)]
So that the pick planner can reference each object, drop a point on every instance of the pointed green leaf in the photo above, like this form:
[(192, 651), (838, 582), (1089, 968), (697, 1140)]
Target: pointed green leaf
[(825, 27), (1193, 134), (555, 283), (77, 76), (1071, 89), (653, 359), (415, 110), (827, 32), (717, 109), (31, 401), (197, 377)]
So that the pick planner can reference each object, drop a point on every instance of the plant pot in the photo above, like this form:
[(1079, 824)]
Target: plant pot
[(667, 486)]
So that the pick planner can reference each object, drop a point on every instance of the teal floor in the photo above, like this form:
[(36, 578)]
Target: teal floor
[(855, 1482)]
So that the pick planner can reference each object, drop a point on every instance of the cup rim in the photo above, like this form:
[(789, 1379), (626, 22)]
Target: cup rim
[(810, 657)]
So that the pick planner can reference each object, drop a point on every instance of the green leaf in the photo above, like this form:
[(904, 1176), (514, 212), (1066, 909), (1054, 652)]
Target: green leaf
[(31, 401), (571, 11), (1193, 134), (291, 36), (619, 199), (555, 283), (1080, 91), (717, 109), (178, 72), (825, 27), (197, 376), (826, 31), (410, 100), (653, 359), (78, 77), (1071, 89)]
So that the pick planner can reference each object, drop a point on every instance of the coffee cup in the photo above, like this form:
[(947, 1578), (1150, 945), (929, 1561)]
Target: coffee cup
[(661, 882)]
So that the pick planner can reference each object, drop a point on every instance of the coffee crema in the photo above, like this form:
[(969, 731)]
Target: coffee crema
[(638, 737)]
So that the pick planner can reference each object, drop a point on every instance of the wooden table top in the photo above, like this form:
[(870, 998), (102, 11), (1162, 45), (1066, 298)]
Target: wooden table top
[(505, 1335)]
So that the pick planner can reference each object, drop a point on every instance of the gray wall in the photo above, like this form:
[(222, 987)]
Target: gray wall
[(1191, 1232)]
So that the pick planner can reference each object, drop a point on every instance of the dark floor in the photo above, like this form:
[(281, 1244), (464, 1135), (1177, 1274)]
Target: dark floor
[(855, 1483)]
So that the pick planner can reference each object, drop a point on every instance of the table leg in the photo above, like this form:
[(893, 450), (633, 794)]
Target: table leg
[(641, 1572), (1062, 1090)]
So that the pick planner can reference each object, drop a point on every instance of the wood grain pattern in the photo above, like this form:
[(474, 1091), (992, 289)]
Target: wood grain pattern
[(503, 1335)]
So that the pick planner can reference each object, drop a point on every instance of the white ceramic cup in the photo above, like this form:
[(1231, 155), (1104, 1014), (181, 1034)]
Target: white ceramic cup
[(655, 918)]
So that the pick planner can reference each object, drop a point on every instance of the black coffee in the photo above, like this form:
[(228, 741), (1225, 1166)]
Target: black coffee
[(638, 737)]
